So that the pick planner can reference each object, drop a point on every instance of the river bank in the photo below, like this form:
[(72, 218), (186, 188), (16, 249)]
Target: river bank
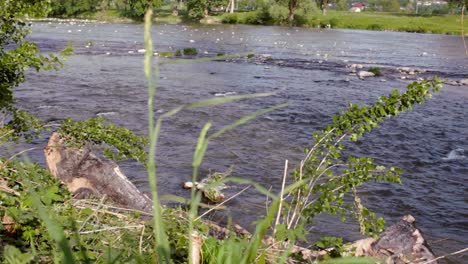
[(377, 21), (308, 70)]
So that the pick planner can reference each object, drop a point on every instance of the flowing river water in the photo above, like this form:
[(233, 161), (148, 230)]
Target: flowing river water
[(308, 70)]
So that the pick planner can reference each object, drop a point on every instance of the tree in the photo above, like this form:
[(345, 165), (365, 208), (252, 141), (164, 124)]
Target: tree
[(196, 9), (341, 5), (323, 4), (391, 5), (136, 9), (71, 8), (16, 56)]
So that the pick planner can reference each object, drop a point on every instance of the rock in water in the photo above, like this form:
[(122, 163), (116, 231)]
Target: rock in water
[(86, 174), (364, 74), (463, 82), (400, 243)]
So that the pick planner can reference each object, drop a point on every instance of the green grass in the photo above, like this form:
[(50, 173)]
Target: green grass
[(444, 24)]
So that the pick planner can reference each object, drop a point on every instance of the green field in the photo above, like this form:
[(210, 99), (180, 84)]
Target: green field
[(447, 24), (444, 24)]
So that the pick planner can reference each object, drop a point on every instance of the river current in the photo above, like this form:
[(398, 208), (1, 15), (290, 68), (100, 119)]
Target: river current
[(308, 70)]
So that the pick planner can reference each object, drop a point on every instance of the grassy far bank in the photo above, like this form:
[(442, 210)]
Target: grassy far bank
[(445, 24)]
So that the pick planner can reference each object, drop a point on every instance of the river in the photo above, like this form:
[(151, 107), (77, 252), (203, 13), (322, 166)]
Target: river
[(308, 71)]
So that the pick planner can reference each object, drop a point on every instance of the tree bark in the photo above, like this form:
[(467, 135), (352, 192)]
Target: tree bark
[(232, 3), (292, 9)]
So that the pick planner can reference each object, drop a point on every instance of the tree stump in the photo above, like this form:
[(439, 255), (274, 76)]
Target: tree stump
[(85, 174)]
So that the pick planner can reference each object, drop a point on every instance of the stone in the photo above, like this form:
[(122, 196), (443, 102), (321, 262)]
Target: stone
[(364, 74), (463, 82), (400, 243)]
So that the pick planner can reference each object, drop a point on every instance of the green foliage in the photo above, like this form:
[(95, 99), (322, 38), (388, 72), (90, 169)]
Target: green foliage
[(342, 5), (196, 9), (167, 53), (390, 5), (67, 8), (279, 14), (375, 70), (230, 18), (118, 143), (190, 51), (325, 178), (46, 221), (13, 255), (376, 27), (14, 61), (327, 242)]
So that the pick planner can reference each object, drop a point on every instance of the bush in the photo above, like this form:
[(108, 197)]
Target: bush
[(302, 18), (259, 17), (278, 14), (334, 22), (375, 27), (178, 53), (190, 51), (165, 54), (230, 18), (375, 70)]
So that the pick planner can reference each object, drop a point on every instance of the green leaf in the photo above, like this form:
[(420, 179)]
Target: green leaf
[(12, 255)]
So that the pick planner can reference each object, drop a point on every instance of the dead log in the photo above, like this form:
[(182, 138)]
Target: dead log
[(401, 243), (85, 174)]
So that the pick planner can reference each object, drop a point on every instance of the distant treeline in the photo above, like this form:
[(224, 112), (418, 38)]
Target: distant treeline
[(126, 8), (284, 9)]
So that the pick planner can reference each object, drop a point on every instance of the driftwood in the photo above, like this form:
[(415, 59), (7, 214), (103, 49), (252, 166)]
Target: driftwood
[(85, 174)]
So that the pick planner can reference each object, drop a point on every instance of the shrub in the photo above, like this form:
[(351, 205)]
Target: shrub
[(230, 18), (278, 14), (333, 22), (375, 27), (190, 51), (178, 53), (165, 54), (376, 71)]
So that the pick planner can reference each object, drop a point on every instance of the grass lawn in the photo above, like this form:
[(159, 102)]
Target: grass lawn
[(443, 24), (446, 24)]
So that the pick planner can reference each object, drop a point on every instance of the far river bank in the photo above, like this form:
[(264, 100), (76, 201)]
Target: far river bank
[(376, 21)]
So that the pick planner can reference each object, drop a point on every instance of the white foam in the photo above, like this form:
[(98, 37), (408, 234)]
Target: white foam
[(456, 154), (224, 94), (106, 113)]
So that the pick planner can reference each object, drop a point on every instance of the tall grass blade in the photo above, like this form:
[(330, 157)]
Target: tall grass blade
[(162, 244), (260, 232), (202, 145)]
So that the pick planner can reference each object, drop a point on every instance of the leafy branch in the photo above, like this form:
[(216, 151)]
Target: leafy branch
[(325, 178)]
